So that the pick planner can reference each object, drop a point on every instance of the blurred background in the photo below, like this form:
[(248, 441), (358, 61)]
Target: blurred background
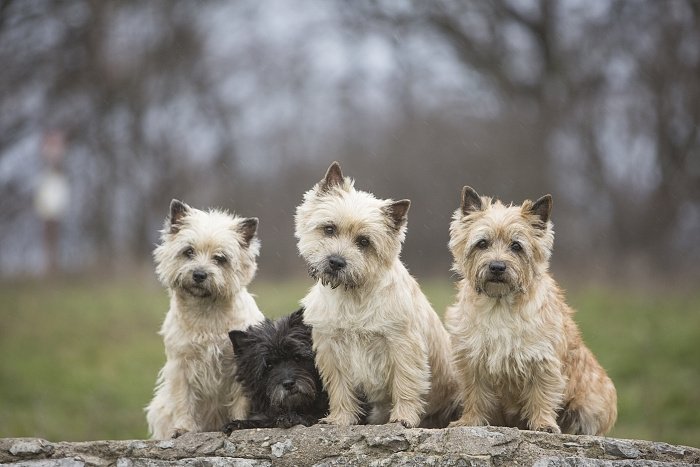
[(108, 110)]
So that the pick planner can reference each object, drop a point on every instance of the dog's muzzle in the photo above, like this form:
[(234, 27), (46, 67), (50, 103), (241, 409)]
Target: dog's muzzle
[(496, 280), (293, 394), (333, 271), (197, 283)]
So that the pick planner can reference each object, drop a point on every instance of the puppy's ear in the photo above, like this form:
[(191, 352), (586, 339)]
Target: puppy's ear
[(248, 227), (334, 177), (397, 212), (238, 340), (542, 208), (178, 210), (471, 201), (298, 329), (297, 318)]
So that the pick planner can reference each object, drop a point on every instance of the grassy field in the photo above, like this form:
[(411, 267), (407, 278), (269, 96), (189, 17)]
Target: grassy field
[(79, 359)]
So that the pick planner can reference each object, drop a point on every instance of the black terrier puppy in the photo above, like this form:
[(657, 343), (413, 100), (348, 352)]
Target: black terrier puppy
[(275, 366)]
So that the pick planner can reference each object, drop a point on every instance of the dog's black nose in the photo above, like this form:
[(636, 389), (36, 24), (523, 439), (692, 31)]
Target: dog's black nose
[(336, 262), (497, 267), (199, 275), (288, 384)]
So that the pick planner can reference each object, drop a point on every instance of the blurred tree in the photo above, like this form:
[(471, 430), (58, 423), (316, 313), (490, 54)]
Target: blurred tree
[(107, 73), (554, 67), (244, 104), (656, 108)]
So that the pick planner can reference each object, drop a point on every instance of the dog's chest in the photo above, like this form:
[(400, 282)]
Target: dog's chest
[(364, 358), (209, 364), (357, 332), (504, 344)]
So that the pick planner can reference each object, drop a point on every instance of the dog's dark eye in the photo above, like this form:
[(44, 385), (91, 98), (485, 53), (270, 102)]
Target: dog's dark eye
[(362, 241), (220, 259), (329, 230), (189, 252), (516, 246), (482, 244)]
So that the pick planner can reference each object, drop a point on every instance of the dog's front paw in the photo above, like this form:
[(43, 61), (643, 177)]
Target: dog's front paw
[(548, 429), (545, 424), (408, 418), (177, 432), (404, 423), (231, 426), (339, 419), (294, 419), (286, 421), (468, 421)]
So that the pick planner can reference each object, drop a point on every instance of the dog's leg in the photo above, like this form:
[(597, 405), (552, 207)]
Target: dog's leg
[(262, 422), (410, 380), (344, 405), (542, 397), (239, 405), (182, 401), (183, 421), (159, 415), (479, 400), (170, 414)]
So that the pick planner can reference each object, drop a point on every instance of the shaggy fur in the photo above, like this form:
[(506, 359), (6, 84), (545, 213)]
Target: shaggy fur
[(276, 369), (377, 339), (518, 351), (206, 260)]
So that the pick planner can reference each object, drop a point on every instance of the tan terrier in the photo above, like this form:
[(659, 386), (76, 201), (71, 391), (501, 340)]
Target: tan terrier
[(517, 349), (378, 341), (206, 260)]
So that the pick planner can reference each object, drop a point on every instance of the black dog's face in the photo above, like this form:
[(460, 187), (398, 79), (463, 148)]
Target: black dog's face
[(275, 362), (289, 380)]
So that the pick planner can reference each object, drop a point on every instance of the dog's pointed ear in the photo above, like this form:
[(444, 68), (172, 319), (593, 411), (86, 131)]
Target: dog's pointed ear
[(542, 208), (334, 177), (471, 201), (297, 318), (248, 227), (397, 212), (238, 340), (297, 326), (178, 210)]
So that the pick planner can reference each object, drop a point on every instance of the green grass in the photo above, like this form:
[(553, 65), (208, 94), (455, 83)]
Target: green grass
[(79, 359)]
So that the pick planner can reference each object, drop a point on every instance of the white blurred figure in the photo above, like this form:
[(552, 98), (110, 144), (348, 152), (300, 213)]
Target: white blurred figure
[(52, 195)]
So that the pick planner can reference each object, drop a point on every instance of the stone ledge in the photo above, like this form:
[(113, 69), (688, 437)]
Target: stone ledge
[(376, 445)]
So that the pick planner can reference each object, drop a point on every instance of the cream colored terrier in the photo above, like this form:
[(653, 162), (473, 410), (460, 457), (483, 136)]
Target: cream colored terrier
[(377, 339), (206, 260), (518, 351)]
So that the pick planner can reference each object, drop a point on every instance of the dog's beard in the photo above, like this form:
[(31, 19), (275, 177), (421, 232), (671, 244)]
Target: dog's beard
[(497, 286), (334, 279), (197, 291), (296, 399), (205, 289)]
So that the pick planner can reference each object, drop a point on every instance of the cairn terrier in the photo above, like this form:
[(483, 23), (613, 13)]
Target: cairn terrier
[(378, 342), (518, 352), (275, 366), (206, 260)]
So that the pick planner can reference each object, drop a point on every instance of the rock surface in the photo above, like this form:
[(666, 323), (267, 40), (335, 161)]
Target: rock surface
[(322, 445)]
